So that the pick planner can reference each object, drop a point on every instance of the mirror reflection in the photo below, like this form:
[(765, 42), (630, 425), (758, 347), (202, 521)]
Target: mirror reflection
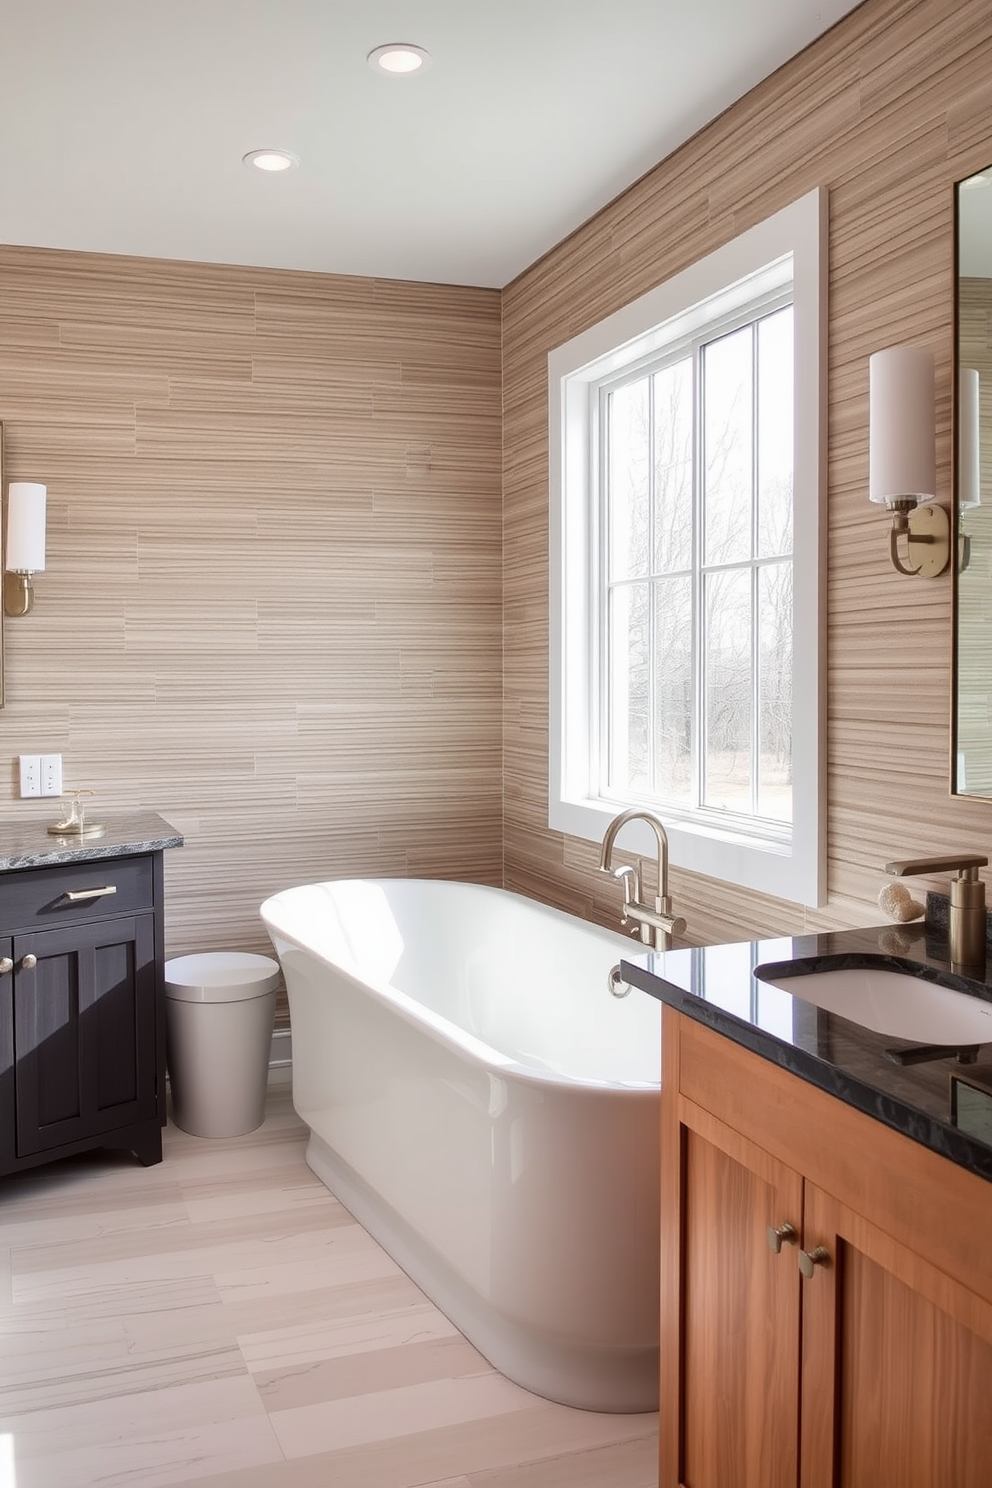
[(972, 773)]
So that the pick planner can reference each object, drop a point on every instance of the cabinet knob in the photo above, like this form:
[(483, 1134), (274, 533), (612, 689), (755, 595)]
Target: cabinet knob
[(779, 1235), (810, 1259), (5, 965), (29, 962)]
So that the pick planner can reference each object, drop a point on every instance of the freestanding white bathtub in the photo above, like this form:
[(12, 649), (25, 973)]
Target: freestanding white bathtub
[(489, 1112)]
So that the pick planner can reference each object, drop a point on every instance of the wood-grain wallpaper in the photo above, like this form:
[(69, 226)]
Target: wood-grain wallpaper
[(296, 597), (887, 110), (271, 610)]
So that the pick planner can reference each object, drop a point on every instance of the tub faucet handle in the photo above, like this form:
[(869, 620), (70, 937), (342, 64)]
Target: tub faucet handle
[(630, 878)]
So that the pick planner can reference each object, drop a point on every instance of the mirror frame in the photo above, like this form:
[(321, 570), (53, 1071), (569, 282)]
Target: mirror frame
[(959, 547)]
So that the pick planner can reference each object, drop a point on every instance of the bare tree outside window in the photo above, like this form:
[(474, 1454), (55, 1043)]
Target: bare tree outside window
[(699, 575)]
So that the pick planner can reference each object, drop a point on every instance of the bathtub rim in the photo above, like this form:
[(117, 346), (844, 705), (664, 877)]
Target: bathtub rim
[(442, 1029)]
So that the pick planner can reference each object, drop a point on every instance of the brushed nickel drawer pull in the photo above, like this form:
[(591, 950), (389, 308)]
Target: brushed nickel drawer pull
[(6, 964), (29, 962), (75, 896)]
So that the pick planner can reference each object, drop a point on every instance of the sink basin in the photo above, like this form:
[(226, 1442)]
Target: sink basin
[(893, 1003)]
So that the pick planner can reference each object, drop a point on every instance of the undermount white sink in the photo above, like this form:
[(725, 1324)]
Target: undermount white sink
[(894, 1003)]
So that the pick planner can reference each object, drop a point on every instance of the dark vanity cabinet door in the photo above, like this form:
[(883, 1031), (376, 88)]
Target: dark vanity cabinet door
[(80, 1013), (84, 1031)]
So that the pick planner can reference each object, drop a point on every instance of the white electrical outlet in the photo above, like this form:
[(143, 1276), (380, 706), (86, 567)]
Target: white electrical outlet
[(51, 774), (30, 774)]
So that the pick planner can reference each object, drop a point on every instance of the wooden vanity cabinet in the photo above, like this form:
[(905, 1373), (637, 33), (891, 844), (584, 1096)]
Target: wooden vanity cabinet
[(874, 1370), (81, 1014)]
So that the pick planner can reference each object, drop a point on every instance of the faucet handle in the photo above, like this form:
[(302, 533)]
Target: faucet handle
[(965, 863), (631, 880)]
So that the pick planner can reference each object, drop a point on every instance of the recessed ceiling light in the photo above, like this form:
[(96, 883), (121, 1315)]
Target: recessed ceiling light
[(271, 160), (399, 58)]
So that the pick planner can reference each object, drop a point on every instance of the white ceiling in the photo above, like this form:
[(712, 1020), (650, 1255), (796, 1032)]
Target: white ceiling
[(124, 122)]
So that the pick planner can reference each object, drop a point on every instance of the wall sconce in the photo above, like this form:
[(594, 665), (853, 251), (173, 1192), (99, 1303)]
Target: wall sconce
[(25, 550), (902, 462)]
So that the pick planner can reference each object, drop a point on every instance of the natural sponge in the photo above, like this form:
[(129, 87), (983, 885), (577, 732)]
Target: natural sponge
[(897, 902)]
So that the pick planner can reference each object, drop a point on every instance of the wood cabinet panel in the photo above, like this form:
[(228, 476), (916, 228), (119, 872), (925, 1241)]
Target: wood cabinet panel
[(873, 1370), (897, 1363), (740, 1417)]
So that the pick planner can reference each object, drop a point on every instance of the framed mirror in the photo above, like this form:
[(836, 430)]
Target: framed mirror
[(971, 721)]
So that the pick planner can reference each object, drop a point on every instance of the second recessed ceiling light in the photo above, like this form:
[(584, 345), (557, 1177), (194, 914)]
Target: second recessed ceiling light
[(399, 58)]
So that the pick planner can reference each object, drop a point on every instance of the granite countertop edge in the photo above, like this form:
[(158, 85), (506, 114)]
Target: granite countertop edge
[(32, 846), (668, 976)]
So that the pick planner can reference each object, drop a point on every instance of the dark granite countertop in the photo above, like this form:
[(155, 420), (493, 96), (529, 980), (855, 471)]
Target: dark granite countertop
[(31, 845), (717, 985)]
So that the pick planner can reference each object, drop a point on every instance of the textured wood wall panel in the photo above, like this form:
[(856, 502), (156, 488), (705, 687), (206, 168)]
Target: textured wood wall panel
[(272, 607), (887, 110)]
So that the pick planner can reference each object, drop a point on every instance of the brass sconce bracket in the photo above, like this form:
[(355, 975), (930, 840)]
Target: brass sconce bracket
[(18, 593), (927, 530)]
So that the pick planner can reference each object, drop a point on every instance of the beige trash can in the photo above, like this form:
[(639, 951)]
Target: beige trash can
[(219, 1011)]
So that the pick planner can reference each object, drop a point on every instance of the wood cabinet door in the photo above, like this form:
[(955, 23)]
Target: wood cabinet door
[(739, 1314), (897, 1363), (84, 1026)]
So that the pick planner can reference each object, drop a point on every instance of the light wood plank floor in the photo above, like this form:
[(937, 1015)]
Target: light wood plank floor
[(221, 1318)]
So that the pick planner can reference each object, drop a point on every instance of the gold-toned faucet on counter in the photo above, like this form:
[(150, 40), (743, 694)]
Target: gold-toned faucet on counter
[(656, 925), (966, 924)]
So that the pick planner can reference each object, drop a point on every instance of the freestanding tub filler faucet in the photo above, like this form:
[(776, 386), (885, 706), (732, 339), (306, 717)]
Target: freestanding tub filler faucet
[(656, 924)]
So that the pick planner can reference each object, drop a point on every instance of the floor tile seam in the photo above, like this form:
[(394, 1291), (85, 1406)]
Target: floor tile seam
[(284, 1225), (258, 1254), (112, 1377)]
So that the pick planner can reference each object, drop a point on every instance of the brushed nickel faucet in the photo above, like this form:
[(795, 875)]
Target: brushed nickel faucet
[(966, 925), (656, 924)]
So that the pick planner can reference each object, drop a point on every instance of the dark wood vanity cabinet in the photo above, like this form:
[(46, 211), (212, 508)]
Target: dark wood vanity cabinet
[(82, 1060)]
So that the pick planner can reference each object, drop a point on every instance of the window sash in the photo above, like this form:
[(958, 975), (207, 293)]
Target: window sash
[(702, 576)]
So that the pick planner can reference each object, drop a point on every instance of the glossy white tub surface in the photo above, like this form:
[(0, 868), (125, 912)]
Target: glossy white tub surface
[(489, 1112)]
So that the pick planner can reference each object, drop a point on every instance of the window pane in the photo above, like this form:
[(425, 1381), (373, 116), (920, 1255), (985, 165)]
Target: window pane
[(728, 690), (673, 690), (630, 689), (629, 511), (673, 467), (775, 434), (728, 438), (775, 691)]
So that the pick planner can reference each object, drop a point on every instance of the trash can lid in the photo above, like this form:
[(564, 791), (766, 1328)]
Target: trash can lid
[(220, 976)]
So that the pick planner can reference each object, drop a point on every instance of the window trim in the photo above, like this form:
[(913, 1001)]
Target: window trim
[(716, 284)]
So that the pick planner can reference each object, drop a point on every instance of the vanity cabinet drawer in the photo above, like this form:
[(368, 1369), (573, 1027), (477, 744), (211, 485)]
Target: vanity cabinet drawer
[(37, 897)]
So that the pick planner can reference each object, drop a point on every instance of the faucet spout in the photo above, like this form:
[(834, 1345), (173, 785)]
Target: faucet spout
[(656, 923), (966, 922)]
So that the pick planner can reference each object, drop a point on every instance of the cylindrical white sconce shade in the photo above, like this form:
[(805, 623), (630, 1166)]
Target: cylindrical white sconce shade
[(25, 552), (902, 457), (969, 446)]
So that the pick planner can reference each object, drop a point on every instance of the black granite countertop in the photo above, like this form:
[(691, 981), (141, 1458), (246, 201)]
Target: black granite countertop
[(929, 1102), (30, 845)]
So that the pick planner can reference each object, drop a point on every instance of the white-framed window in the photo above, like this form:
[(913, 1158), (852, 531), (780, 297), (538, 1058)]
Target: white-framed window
[(687, 444)]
